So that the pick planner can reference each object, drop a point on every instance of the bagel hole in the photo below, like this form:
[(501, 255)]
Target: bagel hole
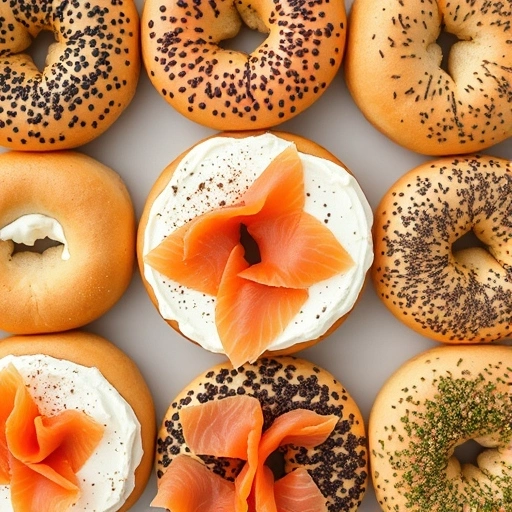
[(39, 246), (467, 241), (252, 252), (445, 41), (468, 452), (275, 461), (39, 48), (246, 41)]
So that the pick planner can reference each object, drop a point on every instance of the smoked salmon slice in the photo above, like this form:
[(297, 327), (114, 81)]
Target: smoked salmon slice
[(12, 393), (298, 491), (255, 303), (201, 271), (299, 427), (295, 492), (189, 486), (40, 455), (45, 489), (249, 315), (232, 427), (296, 252)]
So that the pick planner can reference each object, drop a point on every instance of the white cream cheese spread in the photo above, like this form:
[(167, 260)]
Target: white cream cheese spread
[(108, 477), (216, 173), (35, 226)]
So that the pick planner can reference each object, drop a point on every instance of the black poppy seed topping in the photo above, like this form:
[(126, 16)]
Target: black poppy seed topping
[(338, 466), (233, 90), (427, 108), (434, 412), (90, 76), (440, 293)]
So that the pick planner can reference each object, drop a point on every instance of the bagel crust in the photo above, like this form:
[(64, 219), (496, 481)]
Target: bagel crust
[(47, 292), (117, 368), (433, 403), (338, 466), (230, 90), (90, 75), (393, 71), (448, 295)]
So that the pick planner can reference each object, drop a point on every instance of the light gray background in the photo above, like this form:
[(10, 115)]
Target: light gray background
[(363, 352)]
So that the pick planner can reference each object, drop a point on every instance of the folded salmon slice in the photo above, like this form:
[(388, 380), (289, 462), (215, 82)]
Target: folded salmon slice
[(296, 251), (300, 427), (249, 315), (201, 269), (232, 427), (189, 486), (37, 487), (297, 491), (40, 455)]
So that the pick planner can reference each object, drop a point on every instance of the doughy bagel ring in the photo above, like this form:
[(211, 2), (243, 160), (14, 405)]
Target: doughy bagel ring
[(393, 70), (433, 403), (230, 90), (72, 199), (447, 295), (90, 75), (338, 466), (121, 486)]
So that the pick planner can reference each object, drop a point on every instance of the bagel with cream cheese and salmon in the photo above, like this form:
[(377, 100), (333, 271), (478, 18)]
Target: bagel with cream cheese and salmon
[(255, 241)]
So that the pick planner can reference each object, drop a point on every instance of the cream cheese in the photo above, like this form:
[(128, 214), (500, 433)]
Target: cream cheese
[(108, 477), (216, 173), (35, 226)]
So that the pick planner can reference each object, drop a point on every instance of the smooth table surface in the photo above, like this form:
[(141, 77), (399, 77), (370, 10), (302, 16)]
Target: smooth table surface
[(363, 352)]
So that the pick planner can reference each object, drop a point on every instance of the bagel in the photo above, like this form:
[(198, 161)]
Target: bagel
[(443, 293), (77, 201), (84, 372), (432, 404), (230, 90), (311, 285), (393, 71), (337, 464), (90, 75)]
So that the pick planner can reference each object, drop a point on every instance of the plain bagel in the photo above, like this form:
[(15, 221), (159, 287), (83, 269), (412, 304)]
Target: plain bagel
[(282, 385), (443, 293), (85, 208), (90, 75), (393, 71), (48, 380), (429, 406), (230, 90)]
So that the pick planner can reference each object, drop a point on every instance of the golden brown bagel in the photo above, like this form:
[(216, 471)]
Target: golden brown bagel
[(90, 76), (450, 296), (116, 367), (338, 466), (44, 292), (224, 194), (433, 403), (393, 71), (230, 90)]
